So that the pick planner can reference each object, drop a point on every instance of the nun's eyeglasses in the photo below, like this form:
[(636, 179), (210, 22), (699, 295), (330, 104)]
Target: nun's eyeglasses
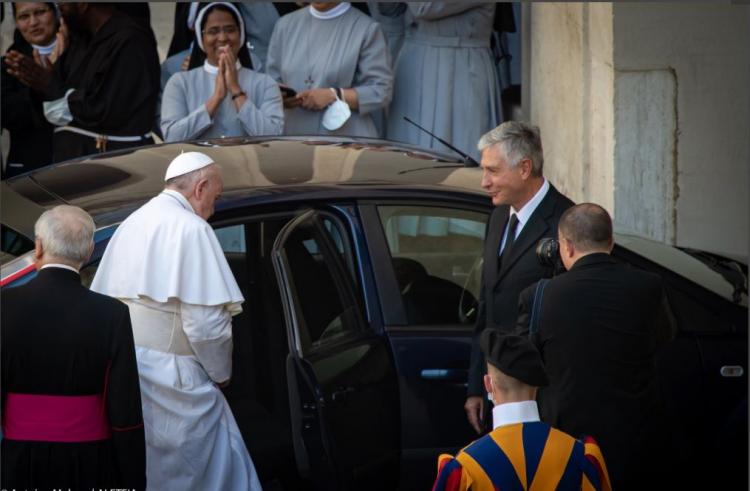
[(26, 16), (215, 31)]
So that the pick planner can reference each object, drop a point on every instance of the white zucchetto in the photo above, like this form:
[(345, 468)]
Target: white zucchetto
[(187, 162)]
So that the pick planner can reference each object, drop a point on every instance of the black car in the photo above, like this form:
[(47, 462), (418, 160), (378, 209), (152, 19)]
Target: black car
[(359, 262)]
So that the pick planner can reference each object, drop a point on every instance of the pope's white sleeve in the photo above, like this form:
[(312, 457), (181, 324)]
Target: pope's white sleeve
[(209, 330)]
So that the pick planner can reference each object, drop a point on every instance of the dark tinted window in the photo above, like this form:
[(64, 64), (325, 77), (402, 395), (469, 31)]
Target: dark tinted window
[(13, 244), (436, 254), (319, 265)]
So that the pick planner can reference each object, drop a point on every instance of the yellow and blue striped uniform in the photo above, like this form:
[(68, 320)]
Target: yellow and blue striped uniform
[(524, 456)]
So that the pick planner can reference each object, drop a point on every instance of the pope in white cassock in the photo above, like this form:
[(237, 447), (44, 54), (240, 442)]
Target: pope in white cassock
[(166, 264)]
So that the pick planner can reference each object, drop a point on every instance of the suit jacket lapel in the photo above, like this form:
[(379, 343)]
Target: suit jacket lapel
[(534, 229)]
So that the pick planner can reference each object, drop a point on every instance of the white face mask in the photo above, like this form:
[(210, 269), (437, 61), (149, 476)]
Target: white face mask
[(336, 114)]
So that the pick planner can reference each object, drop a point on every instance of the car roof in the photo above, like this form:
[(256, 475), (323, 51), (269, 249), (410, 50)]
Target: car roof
[(110, 186), (106, 183)]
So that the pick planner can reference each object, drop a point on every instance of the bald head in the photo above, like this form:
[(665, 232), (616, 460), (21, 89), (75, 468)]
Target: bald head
[(588, 226), (64, 234)]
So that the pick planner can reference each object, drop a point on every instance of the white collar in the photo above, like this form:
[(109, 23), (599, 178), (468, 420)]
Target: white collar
[(526, 210), (336, 11), (180, 198), (45, 50), (58, 265), (514, 412), (213, 70)]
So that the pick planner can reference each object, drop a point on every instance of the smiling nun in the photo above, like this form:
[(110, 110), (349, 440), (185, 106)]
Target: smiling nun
[(223, 97)]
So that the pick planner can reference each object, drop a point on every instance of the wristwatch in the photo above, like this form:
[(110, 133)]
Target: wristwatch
[(238, 94)]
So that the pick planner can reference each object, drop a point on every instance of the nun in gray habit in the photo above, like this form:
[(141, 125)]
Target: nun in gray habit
[(445, 76), (330, 53), (222, 96)]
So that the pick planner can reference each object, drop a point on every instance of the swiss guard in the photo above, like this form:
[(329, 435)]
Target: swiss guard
[(520, 452)]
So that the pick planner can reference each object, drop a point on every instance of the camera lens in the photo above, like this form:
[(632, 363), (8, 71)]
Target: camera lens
[(548, 252)]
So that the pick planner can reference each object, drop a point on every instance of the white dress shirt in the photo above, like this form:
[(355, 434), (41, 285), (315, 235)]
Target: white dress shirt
[(525, 212)]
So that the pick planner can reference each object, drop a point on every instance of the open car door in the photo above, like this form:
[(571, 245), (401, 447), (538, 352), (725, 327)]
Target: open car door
[(342, 386)]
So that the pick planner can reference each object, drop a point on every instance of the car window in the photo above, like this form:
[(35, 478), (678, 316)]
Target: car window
[(13, 244), (436, 254), (232, 238), (318, 263)]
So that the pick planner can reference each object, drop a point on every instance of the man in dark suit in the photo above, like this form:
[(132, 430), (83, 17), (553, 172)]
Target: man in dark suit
[(600, 325), (70, 391), (527, 209)]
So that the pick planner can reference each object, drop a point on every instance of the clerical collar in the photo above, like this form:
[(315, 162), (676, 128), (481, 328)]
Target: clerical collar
[(45, 50), (61, 266), (514, 412), (213, 70), (336, 11), (181, 199)]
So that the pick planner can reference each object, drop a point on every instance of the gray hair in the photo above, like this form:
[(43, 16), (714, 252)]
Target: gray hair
[(186, 182), (518, 140), (66, 232)]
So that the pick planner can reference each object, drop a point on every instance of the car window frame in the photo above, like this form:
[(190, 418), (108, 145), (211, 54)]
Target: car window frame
[(341, 212), (395, 319), (344, 281)]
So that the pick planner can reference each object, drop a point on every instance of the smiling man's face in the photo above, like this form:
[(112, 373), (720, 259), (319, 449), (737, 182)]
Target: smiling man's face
[(504, 184)]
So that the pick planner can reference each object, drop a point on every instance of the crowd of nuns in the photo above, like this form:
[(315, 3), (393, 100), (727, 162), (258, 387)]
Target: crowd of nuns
[(263, 68)]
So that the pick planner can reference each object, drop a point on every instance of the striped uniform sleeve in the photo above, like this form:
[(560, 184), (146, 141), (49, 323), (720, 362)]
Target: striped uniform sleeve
[(451, 476), (595, 475)]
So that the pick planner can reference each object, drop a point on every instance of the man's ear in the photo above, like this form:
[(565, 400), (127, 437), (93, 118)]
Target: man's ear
[(200, 188), (38, 250), (88, 256), (525, 166), (488, 383), (569, 247)]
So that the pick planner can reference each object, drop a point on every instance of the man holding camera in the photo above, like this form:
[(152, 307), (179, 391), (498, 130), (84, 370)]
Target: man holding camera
[(599, 327), (527, 209)]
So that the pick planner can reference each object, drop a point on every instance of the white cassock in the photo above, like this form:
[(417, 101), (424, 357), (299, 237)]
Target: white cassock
[(165, 263)]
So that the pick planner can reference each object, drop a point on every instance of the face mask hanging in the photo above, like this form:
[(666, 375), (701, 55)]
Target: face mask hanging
[(336, 114)]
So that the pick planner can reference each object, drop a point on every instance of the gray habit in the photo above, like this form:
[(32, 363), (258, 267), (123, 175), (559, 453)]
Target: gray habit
[(348, 51), (259, 19), (445, 76), (392, 19), (184, 115)]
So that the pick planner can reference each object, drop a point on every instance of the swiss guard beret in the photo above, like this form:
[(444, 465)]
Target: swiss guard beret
[(515, 356)]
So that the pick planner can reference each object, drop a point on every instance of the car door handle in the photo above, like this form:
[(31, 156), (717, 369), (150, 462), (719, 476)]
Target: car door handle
[(445, 374), (732, 371)]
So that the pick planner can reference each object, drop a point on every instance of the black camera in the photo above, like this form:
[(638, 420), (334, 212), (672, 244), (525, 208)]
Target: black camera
[(548, 255), (548, 252)]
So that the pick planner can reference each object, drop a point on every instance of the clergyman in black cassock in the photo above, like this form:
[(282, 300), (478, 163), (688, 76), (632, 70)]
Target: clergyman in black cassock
[(72, 415)]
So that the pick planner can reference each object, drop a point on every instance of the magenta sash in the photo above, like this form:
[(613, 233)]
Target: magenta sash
[(55, 418)]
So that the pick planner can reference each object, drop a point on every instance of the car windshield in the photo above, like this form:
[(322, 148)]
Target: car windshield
[(733, 287)]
